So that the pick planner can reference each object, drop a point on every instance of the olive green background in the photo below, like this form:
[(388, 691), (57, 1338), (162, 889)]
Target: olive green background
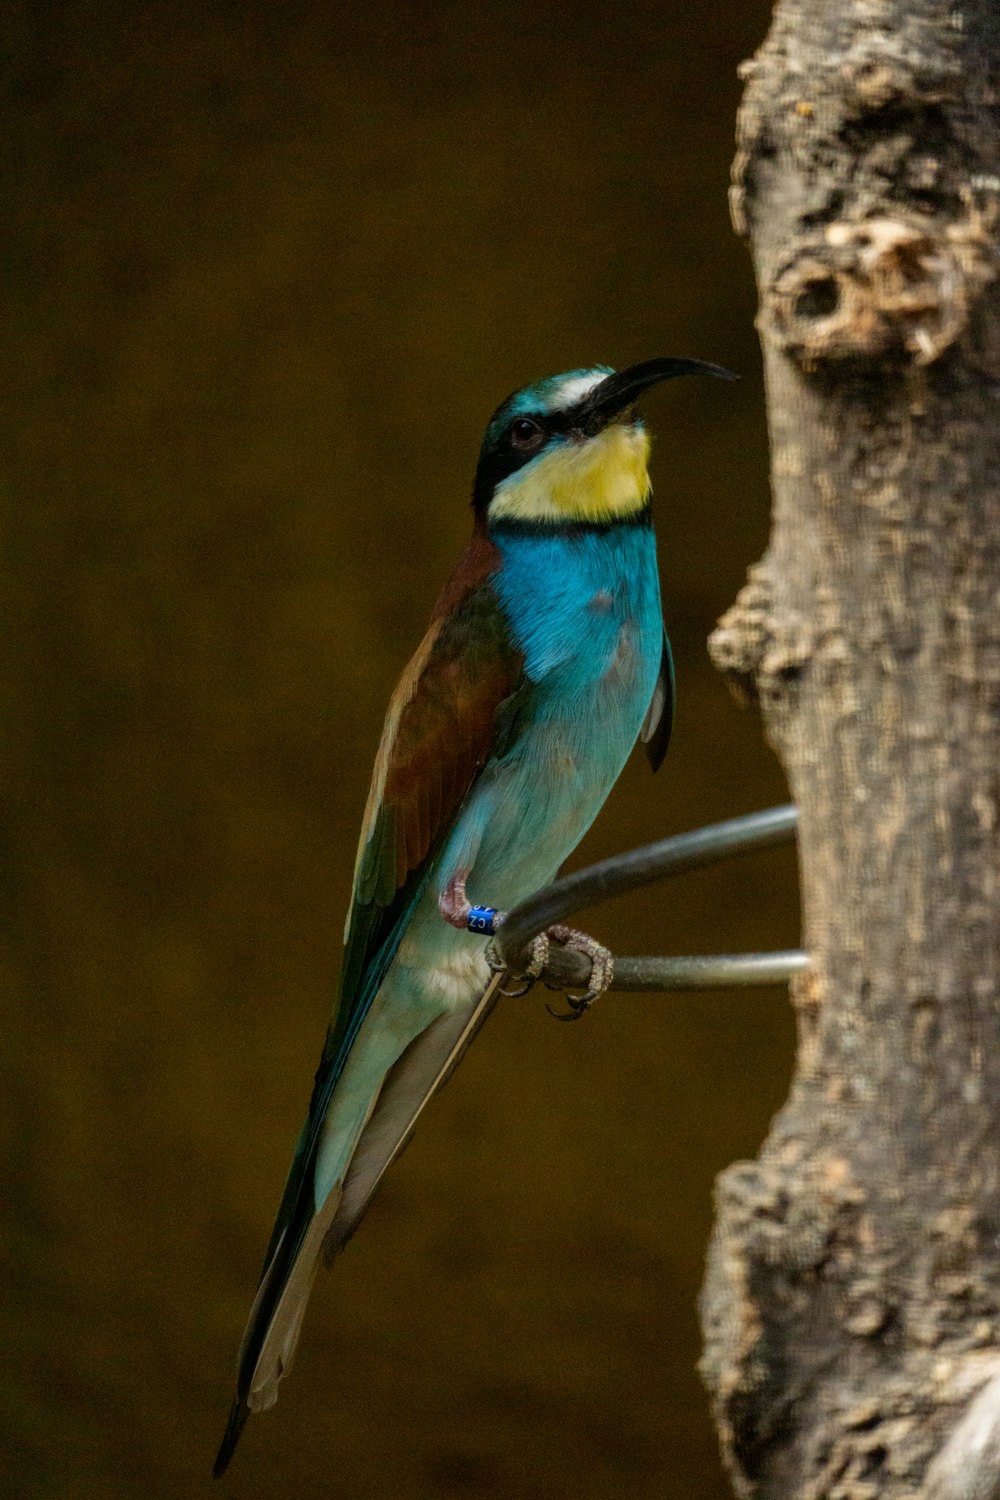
[(267, 270)]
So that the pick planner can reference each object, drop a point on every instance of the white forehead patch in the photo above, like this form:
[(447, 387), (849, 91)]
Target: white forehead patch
[(574, 390)]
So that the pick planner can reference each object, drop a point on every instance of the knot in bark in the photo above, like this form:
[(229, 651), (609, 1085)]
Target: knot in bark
[(896, 288)]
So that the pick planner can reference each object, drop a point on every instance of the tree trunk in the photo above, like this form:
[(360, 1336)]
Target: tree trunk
[(852, 1303)]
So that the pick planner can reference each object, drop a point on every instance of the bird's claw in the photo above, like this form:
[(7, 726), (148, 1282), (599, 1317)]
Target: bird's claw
[(539, 949), (455, 908), (602, 971)]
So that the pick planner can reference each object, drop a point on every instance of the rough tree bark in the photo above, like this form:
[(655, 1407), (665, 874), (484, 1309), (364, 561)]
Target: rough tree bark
[(852, 1303)]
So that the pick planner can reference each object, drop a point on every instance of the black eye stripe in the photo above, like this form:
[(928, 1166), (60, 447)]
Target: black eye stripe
[(502, 454)]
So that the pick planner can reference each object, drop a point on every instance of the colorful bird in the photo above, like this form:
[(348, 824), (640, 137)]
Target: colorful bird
[(545, 659)]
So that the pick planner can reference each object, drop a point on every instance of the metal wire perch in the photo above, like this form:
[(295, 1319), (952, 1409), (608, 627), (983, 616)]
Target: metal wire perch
[(516, 949)]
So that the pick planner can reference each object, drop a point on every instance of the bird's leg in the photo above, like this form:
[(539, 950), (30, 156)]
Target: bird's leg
[(455, 907), (453, 903), (602, 969)]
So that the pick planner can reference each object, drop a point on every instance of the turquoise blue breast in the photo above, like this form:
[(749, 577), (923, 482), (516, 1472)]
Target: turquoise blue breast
[(584, 608)]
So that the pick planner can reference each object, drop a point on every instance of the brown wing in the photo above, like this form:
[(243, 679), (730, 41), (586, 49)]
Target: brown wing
[(441, 725)]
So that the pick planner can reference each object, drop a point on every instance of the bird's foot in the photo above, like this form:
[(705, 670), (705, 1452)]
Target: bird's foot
[(455, 907), (602, 970), (539, 950), (602, 967)]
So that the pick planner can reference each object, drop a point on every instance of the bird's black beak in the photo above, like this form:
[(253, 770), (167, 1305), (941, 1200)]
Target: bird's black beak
[(619, 390)]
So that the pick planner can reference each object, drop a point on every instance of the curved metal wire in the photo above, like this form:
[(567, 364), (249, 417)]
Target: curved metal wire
[(638, 867)]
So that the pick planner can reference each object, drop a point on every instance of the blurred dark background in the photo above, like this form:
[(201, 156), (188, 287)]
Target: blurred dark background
[(267, 271)]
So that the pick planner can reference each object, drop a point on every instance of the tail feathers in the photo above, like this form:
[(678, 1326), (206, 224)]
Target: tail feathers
[(274, 1325), (410, 1084), (275, 1321), (238, 1418), (281, 1337)]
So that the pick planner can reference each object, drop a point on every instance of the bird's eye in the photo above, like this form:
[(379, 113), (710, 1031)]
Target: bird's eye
[(526, 433)]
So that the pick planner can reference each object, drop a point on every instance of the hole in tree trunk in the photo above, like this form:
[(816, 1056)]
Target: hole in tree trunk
[(818, 299)]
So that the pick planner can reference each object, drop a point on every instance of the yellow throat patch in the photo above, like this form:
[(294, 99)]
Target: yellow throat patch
[(603, 478)]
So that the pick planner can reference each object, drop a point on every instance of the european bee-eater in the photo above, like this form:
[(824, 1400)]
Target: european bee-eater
[(545, 659)]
